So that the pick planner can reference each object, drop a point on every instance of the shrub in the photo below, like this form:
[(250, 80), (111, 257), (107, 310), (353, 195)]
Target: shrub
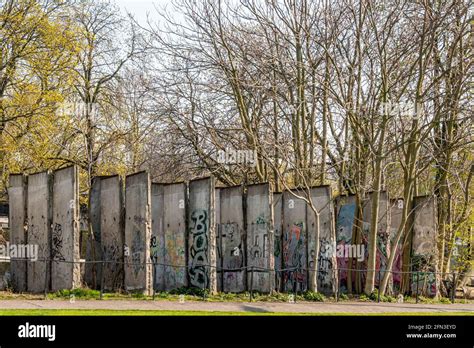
[(139, 295), (343, 297), (190, 291), (162, 294), (314, 296), (374, 295), (79, 293)]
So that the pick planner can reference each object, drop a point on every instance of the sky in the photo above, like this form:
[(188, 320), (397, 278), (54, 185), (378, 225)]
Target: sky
[(140, 8)]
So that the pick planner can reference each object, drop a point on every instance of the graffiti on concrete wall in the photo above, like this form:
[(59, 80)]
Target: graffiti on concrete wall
[(345, 220), (424, 249), (154, 255), (292, 251), (395, 221), (424, 281), (312, 258), (383, 253), (57, 243), (199, 268), (35, 236), (259, 243), (277, 243), (397, 270), (113, 272), (230, 252), (277, 252), (154, 249), (362, 265), (112, 253), (325, 266), (137, 253), (175, 258), (37, 270), (294, 257), (258, 251)]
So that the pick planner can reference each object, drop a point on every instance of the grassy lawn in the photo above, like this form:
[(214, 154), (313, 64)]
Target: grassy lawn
[(111, 312)]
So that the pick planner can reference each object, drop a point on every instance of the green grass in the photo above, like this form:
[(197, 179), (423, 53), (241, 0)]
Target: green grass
[(111, 312), (192, 294)]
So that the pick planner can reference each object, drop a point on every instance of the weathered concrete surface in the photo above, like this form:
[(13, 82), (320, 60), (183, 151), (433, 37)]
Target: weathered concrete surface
[(168, 241), (424, 248), (230, 241), (174, 227), (39, 222), (346, 210), (318, 264), (202, 253), (396, 208), (92, 269), (5, 275), (322, 243), (65, 266), (424, 236), (251, 307), (294, 242), (138, 268), (277, 245), (383, 231), (157, 242), (111, 232), (217, 207), (17, 220), (260, 255)]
